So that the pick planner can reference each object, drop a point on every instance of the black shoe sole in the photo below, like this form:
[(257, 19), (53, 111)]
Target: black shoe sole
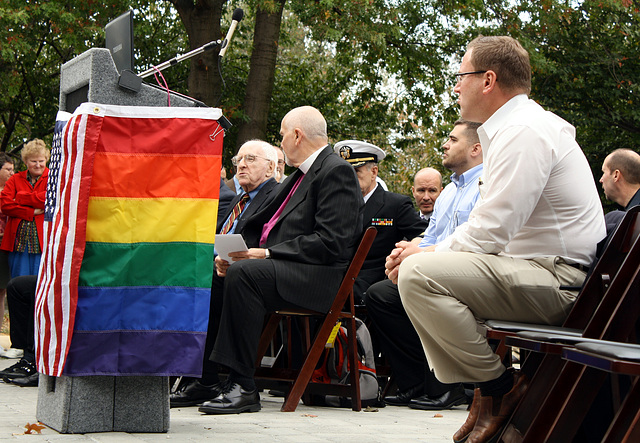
[(442, 408), (187, 404), (217, 411)]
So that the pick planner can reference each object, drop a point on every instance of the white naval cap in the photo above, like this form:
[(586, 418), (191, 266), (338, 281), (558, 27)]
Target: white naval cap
[(358, 152)]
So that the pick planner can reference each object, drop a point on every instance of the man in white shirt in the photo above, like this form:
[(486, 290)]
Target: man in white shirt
[(534, 230)]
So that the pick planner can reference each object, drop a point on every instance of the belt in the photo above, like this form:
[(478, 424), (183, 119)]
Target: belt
[(583, 268)]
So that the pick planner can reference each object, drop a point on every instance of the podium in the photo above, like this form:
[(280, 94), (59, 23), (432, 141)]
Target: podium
[(104, 403)]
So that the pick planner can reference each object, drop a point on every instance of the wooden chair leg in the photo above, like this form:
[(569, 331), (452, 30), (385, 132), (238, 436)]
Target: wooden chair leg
[(299, 386), (627, 420)]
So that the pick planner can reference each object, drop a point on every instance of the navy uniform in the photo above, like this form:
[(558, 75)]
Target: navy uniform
[(393, 215)]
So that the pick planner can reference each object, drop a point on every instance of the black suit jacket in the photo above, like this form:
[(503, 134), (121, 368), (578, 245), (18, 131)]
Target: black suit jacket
[(261, 199), (313, 241), (395, 219)]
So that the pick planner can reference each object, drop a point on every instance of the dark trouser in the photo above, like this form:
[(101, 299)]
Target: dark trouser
[(21, 296), (249, 294), (399, 341)]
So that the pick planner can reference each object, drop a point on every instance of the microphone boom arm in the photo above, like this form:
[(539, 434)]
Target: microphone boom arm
[(181, 57)]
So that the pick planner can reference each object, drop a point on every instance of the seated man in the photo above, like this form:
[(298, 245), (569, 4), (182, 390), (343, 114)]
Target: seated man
[(621, 182), (306, 240), (391, 214), (417, 386), (255, 164), (427, 185), (534, 231), (21, 296)]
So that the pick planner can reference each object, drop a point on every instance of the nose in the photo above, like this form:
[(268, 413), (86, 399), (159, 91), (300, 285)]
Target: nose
[(456, 88)]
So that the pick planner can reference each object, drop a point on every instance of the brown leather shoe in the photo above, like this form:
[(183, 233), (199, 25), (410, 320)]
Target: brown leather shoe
[(462, 434), (493, 412)]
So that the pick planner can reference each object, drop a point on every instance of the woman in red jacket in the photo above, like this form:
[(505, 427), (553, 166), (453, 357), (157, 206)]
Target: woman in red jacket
[(23, 203)]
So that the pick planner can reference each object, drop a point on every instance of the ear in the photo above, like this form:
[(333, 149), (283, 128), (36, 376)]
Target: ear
[(476, 150), (298, 135), (489, 81), (616, 175), (374, 170)]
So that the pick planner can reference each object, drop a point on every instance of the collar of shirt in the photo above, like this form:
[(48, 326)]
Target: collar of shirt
[(253, 193), (306, 165), (496, 121), (366, 197), (466, 177)]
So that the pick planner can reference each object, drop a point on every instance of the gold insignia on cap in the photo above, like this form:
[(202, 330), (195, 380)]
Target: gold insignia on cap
[(345, 152)]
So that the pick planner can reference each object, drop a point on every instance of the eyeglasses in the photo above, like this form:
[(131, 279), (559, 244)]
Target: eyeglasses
[(459, 75), (281, 162), (248, 159)]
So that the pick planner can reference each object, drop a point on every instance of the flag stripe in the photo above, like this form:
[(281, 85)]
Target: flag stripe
[(149, 136), (116, 220), (136, 353), (142, 308), (147, 264), (156, 176)]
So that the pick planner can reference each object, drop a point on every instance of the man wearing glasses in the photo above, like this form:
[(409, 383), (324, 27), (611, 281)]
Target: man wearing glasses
[(255, 165), (534, 230)]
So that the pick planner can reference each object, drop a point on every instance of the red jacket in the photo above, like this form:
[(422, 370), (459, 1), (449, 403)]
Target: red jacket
[(18, 201)]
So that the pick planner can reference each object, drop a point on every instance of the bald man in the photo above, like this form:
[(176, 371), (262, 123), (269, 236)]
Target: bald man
[(427, 185), (621, 177), (300, 247)]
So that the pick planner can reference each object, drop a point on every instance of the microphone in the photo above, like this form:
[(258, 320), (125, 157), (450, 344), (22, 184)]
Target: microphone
[(237, 16)]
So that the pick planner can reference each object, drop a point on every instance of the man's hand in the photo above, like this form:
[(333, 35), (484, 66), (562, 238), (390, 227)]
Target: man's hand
[(38, 211), (223, 265), (403, 250)]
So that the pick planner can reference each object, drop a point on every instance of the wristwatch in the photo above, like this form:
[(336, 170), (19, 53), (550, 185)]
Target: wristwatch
[(267, 254)]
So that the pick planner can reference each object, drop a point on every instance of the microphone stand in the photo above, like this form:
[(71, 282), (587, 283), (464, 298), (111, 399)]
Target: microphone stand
[(181, 57)]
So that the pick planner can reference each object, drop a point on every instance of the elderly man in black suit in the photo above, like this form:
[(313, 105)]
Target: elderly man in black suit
[(255, 165), (305, 240), (391, 214)]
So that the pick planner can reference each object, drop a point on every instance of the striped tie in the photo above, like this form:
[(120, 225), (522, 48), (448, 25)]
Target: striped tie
[(237, 210)]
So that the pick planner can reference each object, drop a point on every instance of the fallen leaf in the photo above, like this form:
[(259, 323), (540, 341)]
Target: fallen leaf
[(438, 416), (308, 415), (370, 409), (34, 428)]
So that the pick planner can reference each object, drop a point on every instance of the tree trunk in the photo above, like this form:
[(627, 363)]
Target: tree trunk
[(201, 20), (261, 74)]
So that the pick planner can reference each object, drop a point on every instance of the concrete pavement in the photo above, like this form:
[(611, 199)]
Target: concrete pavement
[(308, 424)]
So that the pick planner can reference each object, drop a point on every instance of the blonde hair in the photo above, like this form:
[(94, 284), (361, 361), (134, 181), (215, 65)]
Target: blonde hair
[(33, 148), (506, 57)]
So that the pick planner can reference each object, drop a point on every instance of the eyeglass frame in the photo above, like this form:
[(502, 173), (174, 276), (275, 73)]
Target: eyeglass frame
[(248, 159), (459, 75)]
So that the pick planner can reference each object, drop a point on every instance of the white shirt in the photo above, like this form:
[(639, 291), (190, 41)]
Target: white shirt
[(538, 196)]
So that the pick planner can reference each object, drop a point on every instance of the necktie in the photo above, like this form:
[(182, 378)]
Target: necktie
[(235, 213), (269, 225)]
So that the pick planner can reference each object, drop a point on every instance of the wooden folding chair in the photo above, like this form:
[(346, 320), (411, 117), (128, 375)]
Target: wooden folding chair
[(615, 358), (561, 392), (298, 381)]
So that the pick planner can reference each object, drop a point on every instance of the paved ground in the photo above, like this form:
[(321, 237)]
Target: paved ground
[(307, 424)]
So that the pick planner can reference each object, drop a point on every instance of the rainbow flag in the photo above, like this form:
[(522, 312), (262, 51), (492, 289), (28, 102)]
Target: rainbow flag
[(125, 280)]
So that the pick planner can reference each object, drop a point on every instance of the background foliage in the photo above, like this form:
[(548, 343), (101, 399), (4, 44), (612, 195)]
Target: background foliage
[(379, 70)]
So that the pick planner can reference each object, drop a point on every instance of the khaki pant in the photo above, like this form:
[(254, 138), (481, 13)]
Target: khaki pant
[(444, 293)]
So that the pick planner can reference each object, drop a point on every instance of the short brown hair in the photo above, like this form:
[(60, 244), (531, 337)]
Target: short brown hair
[(470, 129), (35, 147), (506, 57)]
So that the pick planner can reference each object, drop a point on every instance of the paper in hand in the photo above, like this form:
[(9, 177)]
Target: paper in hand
[(226, 243)]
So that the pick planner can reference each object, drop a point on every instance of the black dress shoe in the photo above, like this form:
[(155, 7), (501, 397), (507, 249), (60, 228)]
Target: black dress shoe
[(448, 400), (28, 381), (402, 398), (233, 400), (23, 368), (194, 393)]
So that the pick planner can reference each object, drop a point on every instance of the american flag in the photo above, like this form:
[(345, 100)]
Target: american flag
[(54, 165), (63, 244)]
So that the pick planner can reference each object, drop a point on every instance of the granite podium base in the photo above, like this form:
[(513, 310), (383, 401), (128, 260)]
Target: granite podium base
[(78, 405)]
